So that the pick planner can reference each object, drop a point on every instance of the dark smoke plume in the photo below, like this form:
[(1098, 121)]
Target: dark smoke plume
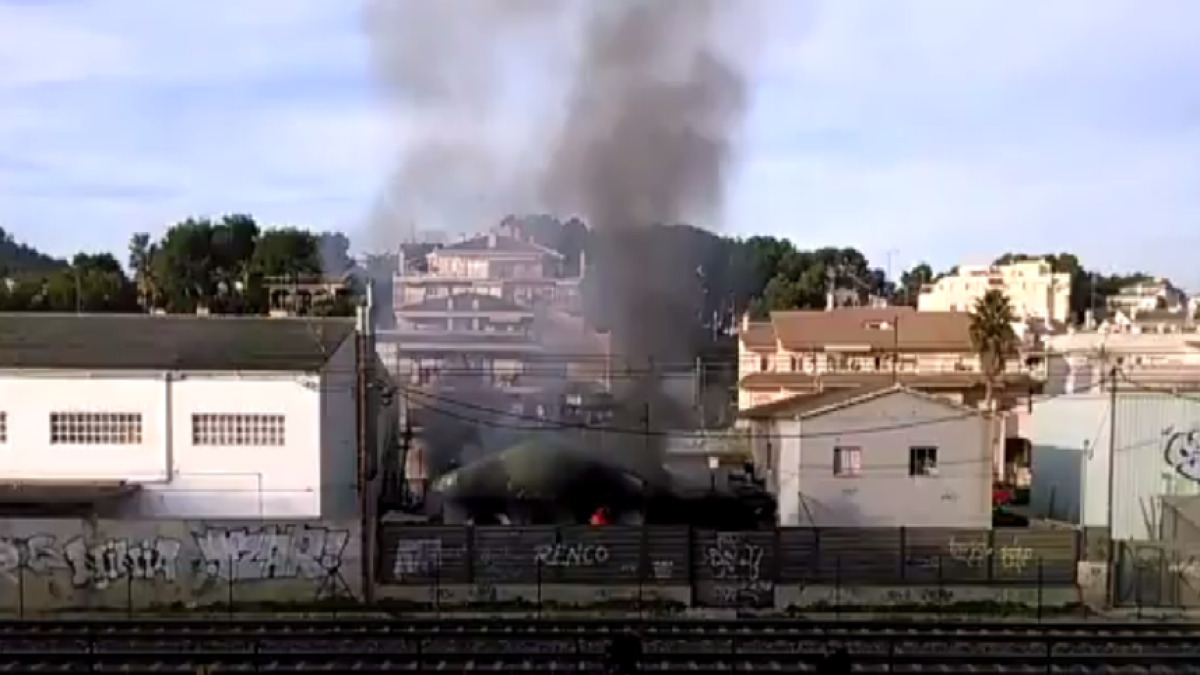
[(648, 139), (637, 120)]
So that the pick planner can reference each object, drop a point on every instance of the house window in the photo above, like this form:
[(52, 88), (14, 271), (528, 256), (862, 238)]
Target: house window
[(847, 461), (922, 461), (764, 363), (3, 427), (90, 428), (237, 430)]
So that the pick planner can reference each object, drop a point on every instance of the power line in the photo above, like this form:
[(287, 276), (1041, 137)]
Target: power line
[(541, 424)]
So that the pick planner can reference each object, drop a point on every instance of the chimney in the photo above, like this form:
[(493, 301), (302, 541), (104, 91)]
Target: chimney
[(491, 241)]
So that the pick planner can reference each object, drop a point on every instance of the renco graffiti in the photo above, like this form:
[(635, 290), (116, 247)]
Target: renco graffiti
[(1183, 453), (272, 552)]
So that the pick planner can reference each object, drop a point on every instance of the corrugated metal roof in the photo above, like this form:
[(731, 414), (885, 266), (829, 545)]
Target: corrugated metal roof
[(171, 342)]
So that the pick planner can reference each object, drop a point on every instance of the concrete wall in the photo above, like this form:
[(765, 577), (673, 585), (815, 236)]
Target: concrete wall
[(73, 565), (179, 479), (884, 494)]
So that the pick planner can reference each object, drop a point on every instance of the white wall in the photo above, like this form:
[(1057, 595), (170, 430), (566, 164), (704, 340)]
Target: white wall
[(180, 480), (28, 400), (884, 494)]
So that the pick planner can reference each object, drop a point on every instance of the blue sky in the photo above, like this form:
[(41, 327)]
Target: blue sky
[(944, 130)]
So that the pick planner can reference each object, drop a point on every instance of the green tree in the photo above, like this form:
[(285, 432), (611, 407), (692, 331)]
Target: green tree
[(993, 337), (184, 266), (141, 256), (909, 291), (286, 253)]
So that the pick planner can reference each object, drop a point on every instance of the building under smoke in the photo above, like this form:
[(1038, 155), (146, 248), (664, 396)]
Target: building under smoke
[(633, 123)]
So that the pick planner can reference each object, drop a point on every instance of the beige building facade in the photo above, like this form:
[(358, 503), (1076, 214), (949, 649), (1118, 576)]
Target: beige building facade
[(1033, 288)]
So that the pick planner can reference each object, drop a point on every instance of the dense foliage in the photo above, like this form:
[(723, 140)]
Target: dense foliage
[(222, 264)]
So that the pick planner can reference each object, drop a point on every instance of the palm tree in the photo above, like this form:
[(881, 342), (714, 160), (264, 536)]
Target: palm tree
[(993, 337), (994, 340)]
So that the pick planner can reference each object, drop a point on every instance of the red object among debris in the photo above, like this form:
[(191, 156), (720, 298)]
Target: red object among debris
[(600, 517), (1001, 496)]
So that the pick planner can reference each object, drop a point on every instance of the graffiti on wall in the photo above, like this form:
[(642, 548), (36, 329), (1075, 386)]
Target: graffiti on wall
[(272, 552), (1182, 452), (89, 564), (575, 554), (736, 565), (230, 554)]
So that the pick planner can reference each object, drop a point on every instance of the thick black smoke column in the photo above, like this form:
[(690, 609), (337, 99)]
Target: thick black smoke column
[(639, 110), (649, 136)]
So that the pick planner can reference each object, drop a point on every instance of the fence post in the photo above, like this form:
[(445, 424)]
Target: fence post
[(20, 591), (229, 588), (469, 544), (643, 564), (538, 562), (128, 590), (1040, 590), (903, 553), (991, 559), (437, 591), (837, 586)]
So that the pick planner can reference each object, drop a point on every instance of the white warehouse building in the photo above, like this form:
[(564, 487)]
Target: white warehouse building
[(138, 416)]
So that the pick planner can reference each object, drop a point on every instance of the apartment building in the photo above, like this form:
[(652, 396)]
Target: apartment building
[(1157, 293), (505, 266), (1033, 288), (492, 312), (1080, 362), (805, 352)]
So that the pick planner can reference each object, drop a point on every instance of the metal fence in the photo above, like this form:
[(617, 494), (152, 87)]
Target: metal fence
[(673, 556), (1157, 574)]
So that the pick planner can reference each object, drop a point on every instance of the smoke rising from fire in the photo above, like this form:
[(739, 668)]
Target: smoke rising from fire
[(635, 121), (626, 113)]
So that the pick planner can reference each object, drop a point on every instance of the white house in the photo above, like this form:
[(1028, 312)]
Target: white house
[(885, 456), (180, 416)]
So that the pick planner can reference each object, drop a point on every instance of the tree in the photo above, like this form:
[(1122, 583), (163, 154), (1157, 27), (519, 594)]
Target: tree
[(141, 255), (993, 337), (909, 291), (17, 258), (286, 253)]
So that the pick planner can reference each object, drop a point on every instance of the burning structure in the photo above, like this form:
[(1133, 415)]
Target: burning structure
[(640, 113)]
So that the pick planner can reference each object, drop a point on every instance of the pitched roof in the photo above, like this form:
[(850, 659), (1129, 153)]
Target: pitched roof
[(464, 302), (942, 380), (759, 336), (810, 405), (494, 242), (171, 342), (798, 404), (877, 328)]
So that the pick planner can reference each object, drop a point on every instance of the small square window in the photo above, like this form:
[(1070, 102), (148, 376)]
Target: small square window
[(922, 461), (847, 461)]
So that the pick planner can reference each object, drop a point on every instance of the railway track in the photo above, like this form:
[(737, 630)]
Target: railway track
[(453, 645)]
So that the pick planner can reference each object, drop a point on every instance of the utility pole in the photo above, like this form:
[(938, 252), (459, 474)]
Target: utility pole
[(365, 360), (896, 349), (1112, 471), (646, 427)]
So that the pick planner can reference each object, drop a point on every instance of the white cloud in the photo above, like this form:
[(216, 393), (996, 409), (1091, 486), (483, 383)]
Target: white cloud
[(945, 129), (956, 131)]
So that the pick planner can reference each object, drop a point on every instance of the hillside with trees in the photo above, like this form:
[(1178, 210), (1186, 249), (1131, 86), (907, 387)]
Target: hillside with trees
[(223, 263)]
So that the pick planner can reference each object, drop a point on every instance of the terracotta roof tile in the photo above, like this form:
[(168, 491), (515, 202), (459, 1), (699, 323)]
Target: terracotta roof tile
[(768, 381), (883, 329), (758, 336)]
